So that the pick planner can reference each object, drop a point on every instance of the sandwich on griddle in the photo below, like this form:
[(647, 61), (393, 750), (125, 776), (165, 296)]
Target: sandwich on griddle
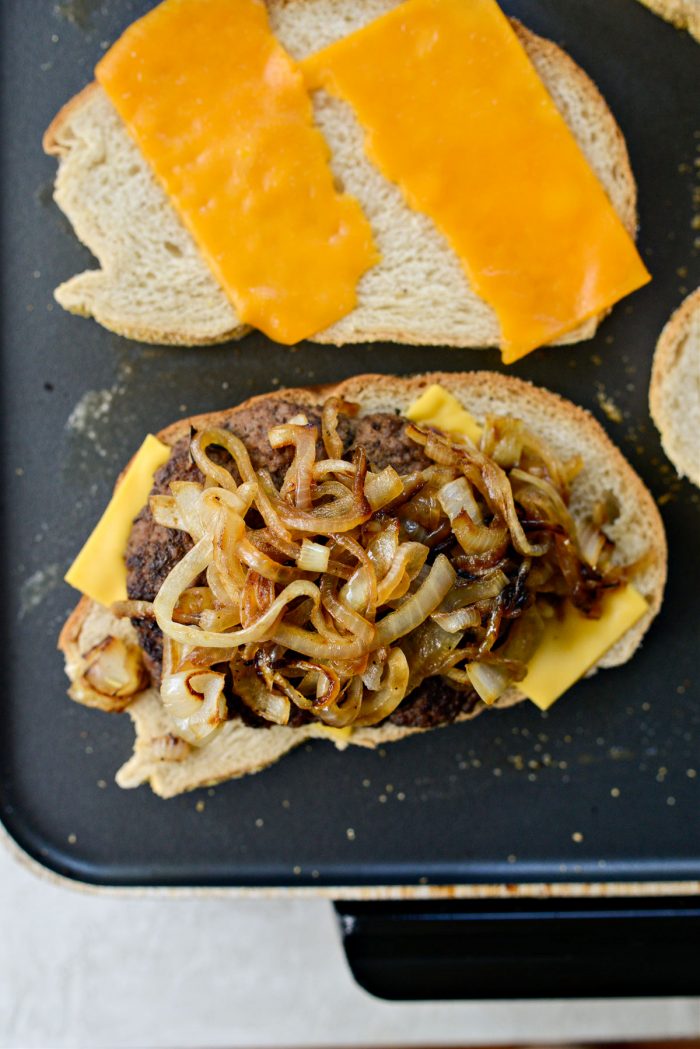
[(358, 562)]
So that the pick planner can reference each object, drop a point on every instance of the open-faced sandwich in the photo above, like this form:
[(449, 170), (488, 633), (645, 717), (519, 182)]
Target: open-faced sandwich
[(358, 562), (348, 171)]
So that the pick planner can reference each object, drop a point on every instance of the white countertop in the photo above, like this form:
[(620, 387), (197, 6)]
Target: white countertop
[(83, 970)]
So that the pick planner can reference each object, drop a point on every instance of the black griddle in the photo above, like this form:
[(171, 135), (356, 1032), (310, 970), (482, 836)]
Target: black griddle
[(604, 788)]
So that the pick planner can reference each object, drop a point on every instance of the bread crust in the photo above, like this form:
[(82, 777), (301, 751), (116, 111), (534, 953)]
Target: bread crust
[(671, 424), (539, 49), (239, 750), (683, 14)]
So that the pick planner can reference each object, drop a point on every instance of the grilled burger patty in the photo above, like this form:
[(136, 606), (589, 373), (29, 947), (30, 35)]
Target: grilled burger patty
[(153, 550)]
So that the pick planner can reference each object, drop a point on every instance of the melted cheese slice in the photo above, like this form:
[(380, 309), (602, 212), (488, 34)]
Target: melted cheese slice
[(99, 570), (572, 645), (221, 114), (339, 736), (439, 408), (455, 114)]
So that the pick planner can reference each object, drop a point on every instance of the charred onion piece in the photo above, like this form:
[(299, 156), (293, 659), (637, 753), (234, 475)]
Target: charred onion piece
[(113, 672)]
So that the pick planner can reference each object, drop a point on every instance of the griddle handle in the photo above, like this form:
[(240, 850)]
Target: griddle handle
[(409, 950)]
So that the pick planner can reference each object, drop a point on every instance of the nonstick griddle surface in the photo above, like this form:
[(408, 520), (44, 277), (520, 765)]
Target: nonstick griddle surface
[(603, 788)]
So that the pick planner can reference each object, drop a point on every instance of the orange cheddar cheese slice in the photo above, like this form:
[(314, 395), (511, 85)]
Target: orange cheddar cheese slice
[(455, 114), (222, 115)]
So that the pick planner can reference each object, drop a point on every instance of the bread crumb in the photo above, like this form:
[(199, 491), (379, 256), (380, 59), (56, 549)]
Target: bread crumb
[(200, 806), (296, 870), (691, 773), (259, 822), (577, 836), (670, 801), (615, 792), (608, 406), (72, 838), (350, 834)]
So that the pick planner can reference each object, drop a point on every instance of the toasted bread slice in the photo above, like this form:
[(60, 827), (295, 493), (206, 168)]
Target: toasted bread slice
[(683, 14), (674, 393), (238, 749), (153, 285)]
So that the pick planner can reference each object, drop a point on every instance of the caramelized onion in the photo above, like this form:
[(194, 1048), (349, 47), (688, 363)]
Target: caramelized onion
[(195, 701), (379, 705), (132, 609), (418, 606), (257, 697), (489, 682), (428, 650), (185, 572), (345, 596), (383, 488), (332, 407), (345, 710), (313, 557), (112, 674), (456, 497), (165, 512), (458, 621), (298, 481)]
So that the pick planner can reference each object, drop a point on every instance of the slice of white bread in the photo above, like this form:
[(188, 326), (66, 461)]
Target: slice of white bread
[(684, 14), (570, 430), (674, 392), (154, 286)]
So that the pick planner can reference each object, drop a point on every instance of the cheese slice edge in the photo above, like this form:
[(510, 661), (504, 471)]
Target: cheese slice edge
[(99, 570), (572, 645)]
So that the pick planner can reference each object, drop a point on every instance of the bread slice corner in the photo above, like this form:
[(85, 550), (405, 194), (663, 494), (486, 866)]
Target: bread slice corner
[(151, 284)]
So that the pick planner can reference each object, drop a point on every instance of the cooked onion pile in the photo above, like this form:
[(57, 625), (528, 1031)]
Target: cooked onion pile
[(339, 593)]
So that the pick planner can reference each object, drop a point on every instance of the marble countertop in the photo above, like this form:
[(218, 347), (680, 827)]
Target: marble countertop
[(86, 969)]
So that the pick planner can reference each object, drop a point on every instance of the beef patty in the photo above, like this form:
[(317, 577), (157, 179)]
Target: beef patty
[(153, 550)]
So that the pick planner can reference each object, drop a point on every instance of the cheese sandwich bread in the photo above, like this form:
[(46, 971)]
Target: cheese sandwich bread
[(153, 284)]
